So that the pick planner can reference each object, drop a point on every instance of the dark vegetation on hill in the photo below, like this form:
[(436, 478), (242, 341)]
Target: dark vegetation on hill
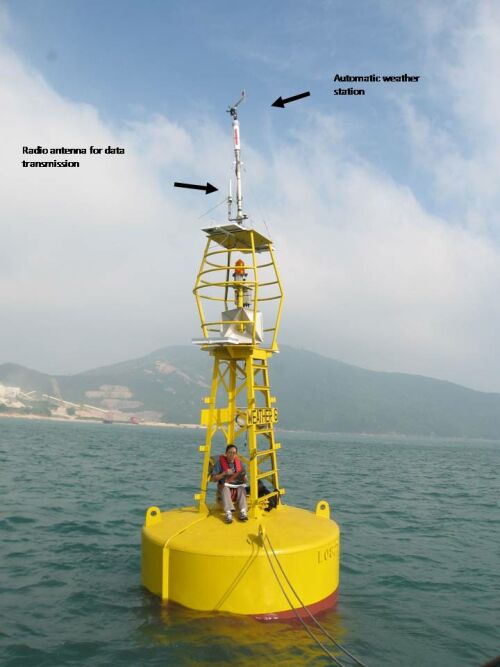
[(314, 393)]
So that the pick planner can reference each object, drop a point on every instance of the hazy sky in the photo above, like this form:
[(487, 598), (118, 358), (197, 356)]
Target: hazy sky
[(383, 208)]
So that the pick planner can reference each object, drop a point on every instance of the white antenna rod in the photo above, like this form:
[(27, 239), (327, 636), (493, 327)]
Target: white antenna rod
[(240, 216)]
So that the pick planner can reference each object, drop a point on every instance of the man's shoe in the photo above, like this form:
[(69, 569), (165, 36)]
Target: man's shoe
[(228, 517), (243, 516)]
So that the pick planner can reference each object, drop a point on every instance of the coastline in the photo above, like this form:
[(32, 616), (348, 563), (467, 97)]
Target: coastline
[(293, 432), (98, 421)]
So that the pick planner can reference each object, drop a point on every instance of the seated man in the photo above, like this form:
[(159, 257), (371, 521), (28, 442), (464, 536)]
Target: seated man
[(230, 476)]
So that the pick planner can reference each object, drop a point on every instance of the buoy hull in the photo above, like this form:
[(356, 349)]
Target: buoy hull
[(316, 608), (196, 560)]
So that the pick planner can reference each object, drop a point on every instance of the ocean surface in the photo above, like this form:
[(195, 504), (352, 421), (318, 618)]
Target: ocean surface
[(420, 531)]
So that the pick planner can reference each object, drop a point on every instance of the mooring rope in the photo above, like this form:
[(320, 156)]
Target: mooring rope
[(306, 609), (313, 637)]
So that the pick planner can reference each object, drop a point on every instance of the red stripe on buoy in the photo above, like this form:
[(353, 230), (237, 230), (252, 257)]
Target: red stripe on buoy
[(289, 615)]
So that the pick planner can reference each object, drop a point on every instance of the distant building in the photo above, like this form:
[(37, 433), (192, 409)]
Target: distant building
[(9, 393)]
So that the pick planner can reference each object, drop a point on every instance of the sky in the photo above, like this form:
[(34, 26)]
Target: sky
[(383, 208)]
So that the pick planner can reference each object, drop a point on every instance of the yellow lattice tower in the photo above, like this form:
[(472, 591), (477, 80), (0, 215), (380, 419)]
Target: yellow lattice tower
[(237, 289)]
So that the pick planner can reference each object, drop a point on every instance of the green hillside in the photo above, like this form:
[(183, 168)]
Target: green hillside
[(314, 393)]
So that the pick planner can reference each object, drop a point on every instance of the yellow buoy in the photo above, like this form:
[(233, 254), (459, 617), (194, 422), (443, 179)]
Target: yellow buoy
[(278, 558), (198, 561)]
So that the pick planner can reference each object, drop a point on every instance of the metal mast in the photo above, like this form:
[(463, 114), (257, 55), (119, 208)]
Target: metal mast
[(240, 216)]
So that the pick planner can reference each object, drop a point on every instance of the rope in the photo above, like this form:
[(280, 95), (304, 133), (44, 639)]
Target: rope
[(313, 618), (213, 208), (267, 228), (313, 637)]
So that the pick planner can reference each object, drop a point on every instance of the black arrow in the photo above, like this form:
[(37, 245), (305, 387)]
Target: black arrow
[(208, 187), (280, 102)]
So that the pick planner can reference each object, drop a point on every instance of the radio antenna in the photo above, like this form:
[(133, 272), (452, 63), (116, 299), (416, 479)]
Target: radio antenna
[(240, 216)]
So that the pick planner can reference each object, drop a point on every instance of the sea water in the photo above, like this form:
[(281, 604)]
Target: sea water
[(420, 562)]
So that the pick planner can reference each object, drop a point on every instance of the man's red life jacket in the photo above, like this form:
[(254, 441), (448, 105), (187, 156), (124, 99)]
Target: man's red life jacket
[(232, 478), (225, 466)]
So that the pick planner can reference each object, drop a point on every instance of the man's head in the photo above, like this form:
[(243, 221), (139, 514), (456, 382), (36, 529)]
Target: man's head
[(231, 451)]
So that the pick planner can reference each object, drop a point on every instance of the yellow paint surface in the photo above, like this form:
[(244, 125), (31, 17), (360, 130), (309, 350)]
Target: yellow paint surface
[(202, 563)]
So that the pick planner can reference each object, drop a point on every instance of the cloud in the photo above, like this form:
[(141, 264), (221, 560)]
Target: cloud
[(459, 148), (374, 278), (101, 249), (97, 264)]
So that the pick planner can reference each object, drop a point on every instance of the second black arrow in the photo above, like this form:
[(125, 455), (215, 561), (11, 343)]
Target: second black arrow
[(280, 102), (208, 187)]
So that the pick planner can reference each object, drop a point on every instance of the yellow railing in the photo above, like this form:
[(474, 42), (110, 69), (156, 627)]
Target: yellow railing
[(211, 286)]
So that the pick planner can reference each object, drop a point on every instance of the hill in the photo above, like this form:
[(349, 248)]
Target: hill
[(314, 393)]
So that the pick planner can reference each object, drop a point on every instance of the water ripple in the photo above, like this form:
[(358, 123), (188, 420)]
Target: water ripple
[(420, 550)]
